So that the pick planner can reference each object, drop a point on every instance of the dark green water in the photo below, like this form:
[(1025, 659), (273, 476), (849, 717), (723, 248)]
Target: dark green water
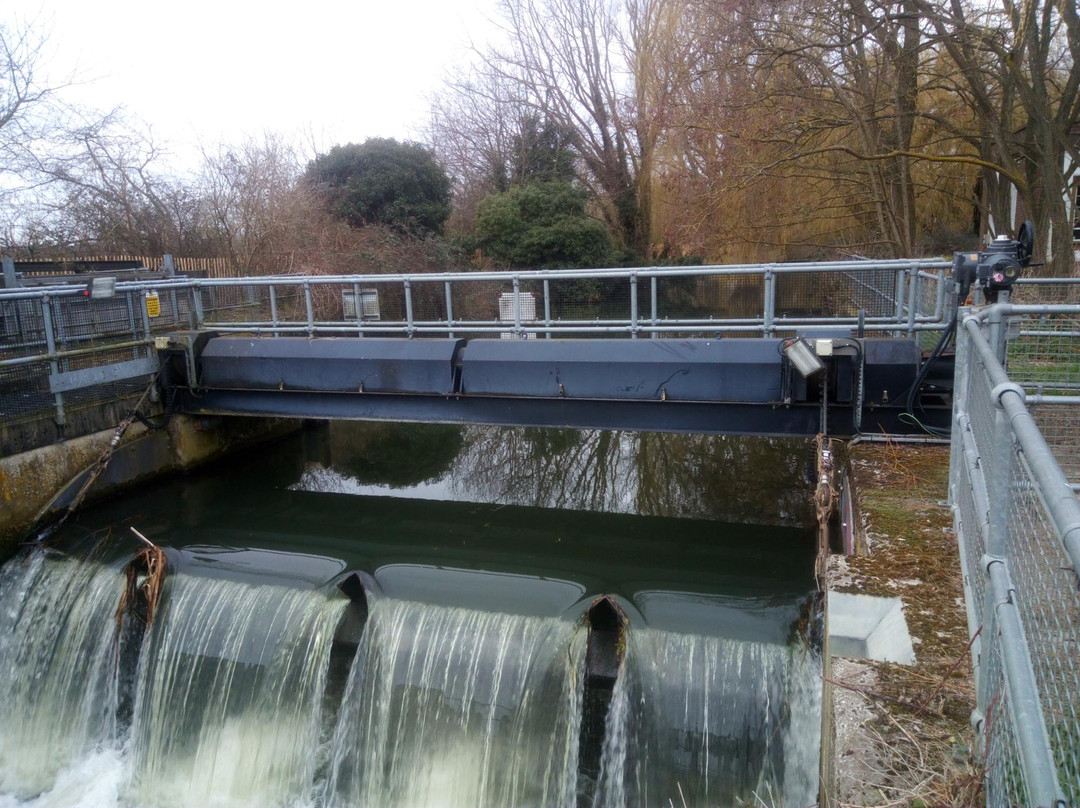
[(698, 533)]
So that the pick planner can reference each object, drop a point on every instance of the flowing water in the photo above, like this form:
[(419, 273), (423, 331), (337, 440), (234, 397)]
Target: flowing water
[(229, 693), (451, 706), (57, 659), (464, 679), (708, 721)]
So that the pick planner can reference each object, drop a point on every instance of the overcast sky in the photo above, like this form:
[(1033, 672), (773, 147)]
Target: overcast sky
[(206, 71)]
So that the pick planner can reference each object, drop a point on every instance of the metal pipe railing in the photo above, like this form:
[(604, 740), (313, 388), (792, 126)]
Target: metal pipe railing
[(1005, 477)]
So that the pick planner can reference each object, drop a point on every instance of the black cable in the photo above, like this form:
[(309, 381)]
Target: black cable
[(924, 370)]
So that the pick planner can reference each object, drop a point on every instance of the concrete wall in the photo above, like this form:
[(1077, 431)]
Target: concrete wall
[(40, 483)]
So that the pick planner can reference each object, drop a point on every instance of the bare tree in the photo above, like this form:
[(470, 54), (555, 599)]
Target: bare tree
[(574, 62), (248, 191), (1019, 69)]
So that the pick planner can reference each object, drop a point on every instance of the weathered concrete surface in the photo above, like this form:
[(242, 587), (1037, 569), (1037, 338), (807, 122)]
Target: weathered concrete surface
[(900, 734), (44, 481)]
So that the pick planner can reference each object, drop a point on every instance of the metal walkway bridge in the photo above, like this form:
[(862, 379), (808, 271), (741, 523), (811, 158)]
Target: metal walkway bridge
[(692, 349)]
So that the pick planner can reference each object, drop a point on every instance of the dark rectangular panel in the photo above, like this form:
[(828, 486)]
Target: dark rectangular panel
[(346, 364), (746, 370)]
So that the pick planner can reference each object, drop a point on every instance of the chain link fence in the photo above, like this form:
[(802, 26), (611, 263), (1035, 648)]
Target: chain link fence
[(1017, 522)]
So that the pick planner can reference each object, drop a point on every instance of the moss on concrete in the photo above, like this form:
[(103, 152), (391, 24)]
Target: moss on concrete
[(35, 481)]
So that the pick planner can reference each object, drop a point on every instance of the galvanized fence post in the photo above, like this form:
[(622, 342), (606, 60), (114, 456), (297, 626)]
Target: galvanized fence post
[(547, 308), (169, 266), (517, 306), (898, 290), (914, 298), (449, 309), (768, 304), (652, 307), (309, 310), (273, 311), (633, 306), (50, 348), (200, 316), (408, 308), (961, 386)]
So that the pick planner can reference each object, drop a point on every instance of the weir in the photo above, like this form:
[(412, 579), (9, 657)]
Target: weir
[(508, 659)]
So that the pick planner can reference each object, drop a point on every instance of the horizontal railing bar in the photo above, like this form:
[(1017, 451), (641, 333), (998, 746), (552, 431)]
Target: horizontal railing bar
[(720, 270), (508, 328), (47, 357)]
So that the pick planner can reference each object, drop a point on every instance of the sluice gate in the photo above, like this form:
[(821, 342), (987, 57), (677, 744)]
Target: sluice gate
[(731, 386)]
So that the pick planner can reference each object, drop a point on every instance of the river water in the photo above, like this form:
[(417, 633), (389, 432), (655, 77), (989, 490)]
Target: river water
[(464, 679)]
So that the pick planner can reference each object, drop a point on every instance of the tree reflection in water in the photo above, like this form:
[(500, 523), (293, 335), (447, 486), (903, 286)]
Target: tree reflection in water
[(749, 480)]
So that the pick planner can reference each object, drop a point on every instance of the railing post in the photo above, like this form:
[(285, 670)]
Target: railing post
[(408, 308), (273, 310), (1025, 705), (358, 309), (196, 297), (914, 298), (652, 306), (633, 306), (898, 291), (940, 315), (768, 312), (517, 306), (449, 310), (961, 374), (309, 310), (547, 308), (996, 336), (50, 348), (10, 281)]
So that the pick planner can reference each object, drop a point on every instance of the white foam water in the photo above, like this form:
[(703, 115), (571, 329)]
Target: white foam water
[(449, 707), (229, 694), (704, 721), (57, 665)]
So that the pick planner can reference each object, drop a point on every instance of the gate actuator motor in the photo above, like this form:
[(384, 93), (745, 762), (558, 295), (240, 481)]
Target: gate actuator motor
[(998, 267)]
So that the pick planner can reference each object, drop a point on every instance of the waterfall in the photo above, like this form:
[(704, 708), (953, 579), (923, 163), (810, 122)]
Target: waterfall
[(229, 693), (228, 703), (57, 664), (705, 721), (457, 707)]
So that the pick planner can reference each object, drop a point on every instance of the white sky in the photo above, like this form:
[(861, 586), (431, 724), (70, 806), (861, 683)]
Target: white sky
[(202, 71)]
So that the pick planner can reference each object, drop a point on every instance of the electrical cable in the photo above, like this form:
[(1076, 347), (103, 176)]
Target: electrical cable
[(924, 370)]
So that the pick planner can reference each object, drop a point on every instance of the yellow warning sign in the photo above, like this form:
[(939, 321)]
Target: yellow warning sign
[(153, 304)]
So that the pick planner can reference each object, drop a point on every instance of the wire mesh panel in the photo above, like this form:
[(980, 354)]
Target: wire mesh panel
[(1050, 607), (1015, 524), (1044, 353), (69, 334), (239, 303), (871, 290), (1005, 782)]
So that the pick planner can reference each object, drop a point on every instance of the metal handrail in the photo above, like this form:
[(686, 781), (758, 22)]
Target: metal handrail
[(608, 273)]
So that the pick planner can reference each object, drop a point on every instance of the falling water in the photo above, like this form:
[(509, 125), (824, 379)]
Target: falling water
[(229, 694), (704, 721), (57, 659), (455, 707)]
